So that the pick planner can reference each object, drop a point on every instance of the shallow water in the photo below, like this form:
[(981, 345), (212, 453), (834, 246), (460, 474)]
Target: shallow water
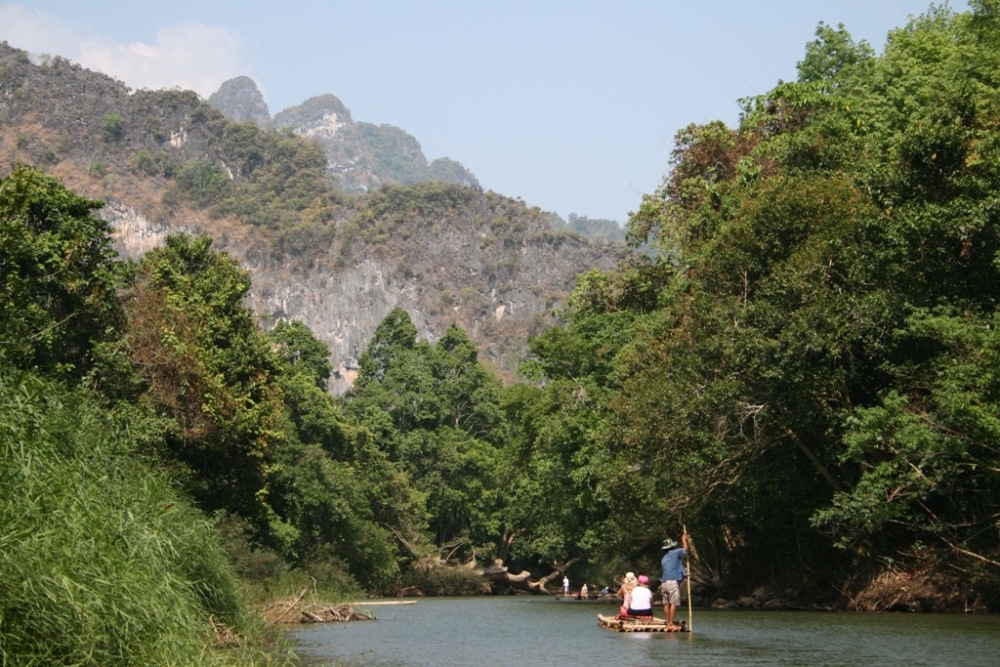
[(543, 632)]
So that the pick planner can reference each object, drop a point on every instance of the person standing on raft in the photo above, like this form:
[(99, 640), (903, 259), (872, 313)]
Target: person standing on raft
[(673, 574)]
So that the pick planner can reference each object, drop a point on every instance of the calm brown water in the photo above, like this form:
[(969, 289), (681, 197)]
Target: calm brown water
[(542, 632)]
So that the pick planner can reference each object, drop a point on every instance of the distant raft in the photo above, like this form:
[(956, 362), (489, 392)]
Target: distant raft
[(636, 624)]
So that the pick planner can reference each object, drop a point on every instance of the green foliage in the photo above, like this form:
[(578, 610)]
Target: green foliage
[(810, 350), (271, 180), (448, 581), (301, 352), (396, 153), (831, 53), (324, 507), (98, 167), (112, 127), (323, 520), (207, 370), (57, 278), (802, 354), (154, 127), (103, 562), (393, 207), (153, 164), (394, 336), (435, 413), (552, 508), (204, 182), (924, 453)]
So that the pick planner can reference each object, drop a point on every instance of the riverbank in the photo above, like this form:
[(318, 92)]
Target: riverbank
[(918, 591)]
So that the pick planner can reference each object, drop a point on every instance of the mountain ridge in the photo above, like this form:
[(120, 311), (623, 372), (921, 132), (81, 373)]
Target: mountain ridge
[(361, 155), (167, 162)]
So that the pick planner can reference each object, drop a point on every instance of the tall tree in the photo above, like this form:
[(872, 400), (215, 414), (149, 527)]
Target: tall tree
[(208, 370), (57, 276)]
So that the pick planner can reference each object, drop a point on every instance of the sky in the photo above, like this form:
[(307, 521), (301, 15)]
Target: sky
[(571, 105)]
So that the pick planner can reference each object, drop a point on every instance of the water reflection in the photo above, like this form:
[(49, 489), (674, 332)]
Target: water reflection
[(541, 632)]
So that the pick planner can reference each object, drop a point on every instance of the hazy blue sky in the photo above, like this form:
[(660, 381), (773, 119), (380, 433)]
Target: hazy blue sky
[(571, 106)]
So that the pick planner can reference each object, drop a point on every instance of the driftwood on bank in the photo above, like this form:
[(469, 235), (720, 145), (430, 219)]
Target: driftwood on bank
[(290, 606), (336, 614), (294, 612)]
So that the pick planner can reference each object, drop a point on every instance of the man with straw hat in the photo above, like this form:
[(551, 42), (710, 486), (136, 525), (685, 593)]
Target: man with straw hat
[(673, 574)]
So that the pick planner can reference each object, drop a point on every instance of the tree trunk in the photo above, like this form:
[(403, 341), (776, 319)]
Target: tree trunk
[(501, 578)]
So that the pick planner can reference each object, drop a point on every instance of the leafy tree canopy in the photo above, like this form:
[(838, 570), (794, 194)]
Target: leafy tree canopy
[(57, 276)]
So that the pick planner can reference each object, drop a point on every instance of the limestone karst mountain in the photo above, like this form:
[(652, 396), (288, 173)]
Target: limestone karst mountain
[(360, 155), (240, 100), (167, 162), (363, 155)]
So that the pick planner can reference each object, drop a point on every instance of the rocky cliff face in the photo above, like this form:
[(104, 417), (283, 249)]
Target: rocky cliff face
[(499, 289), (240, 100)]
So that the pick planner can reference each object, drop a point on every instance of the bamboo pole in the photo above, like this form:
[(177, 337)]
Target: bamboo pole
[(690, 606)]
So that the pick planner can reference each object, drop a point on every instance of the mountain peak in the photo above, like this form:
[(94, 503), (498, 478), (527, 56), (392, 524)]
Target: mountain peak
[(239, 99), (364, 156)]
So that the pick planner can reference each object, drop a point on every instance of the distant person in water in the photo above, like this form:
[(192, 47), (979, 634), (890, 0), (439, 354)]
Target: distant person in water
[(642, 598), (584, 592), (673, 574), (625, 592), (565, 585)]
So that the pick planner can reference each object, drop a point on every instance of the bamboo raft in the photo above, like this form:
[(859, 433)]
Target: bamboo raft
[(633, 624)]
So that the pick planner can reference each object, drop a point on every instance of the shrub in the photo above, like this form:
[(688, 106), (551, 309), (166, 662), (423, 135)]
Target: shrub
[(112, 127), (204, 182)]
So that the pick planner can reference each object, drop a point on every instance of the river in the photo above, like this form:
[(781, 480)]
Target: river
[(543, 632)]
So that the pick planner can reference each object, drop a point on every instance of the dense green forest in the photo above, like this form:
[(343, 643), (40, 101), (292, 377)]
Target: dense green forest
[(801, 366)]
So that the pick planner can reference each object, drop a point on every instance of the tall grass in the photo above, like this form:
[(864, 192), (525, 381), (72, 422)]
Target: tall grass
[(102, 562)]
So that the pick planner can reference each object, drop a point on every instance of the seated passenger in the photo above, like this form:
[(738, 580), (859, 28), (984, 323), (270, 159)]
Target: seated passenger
[(625, 592), (641, 602)]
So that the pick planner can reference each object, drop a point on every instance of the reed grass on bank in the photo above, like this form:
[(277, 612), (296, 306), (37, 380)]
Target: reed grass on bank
[(102, 562)]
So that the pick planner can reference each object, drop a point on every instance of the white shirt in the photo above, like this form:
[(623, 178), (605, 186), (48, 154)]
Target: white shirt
[(642, 599)]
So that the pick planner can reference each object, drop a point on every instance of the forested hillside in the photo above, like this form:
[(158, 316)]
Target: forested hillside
[(800, 366), (166, 161)]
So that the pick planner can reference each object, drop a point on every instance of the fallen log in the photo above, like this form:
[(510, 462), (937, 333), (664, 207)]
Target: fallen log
[(335, 614)]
